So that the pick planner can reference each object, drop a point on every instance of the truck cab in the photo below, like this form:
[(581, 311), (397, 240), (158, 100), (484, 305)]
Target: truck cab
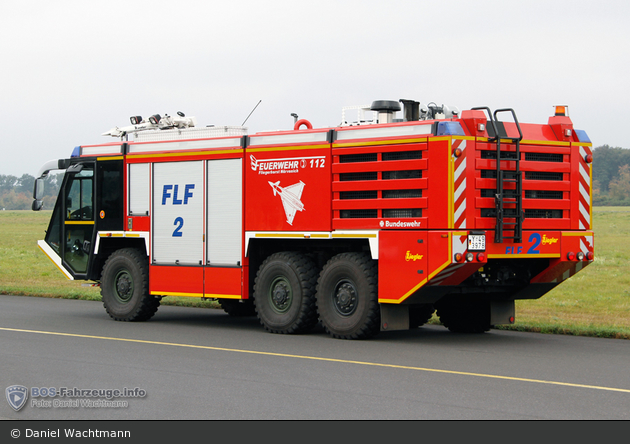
[(90, 200)]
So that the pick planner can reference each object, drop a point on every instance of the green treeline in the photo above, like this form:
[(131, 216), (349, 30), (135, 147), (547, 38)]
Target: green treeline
[(611, 182), (611, 176), (16, 193)]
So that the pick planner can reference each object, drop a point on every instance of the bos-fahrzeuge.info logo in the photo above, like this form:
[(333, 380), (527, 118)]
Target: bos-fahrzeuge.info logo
[(17, 396), (63, 397)]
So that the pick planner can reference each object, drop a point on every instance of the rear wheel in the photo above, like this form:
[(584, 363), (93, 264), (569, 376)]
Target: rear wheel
[(420, 314), (125, 286), (284, 293), (347, 297), (464, 315)]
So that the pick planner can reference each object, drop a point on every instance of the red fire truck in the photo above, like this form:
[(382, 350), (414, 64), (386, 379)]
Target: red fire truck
[(369, 226)]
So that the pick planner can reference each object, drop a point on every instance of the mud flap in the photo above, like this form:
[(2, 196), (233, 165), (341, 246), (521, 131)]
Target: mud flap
[(394, 317), (502, 312)]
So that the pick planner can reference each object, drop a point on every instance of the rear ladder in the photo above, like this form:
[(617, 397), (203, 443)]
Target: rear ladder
[(507, 205)]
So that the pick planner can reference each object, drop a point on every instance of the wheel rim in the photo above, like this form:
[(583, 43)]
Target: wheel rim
[(280, 294), (123, 286), (345, 297)]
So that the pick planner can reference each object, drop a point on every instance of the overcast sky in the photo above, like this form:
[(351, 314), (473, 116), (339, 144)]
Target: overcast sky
[(72, 70)]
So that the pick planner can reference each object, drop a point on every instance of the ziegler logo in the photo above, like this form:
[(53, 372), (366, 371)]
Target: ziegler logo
[(549, 240), (413, 257)]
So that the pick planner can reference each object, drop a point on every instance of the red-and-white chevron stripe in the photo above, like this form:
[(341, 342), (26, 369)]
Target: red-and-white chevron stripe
[(460, 245), (459, 182), (459, 217), (585, 189), (586, 245)]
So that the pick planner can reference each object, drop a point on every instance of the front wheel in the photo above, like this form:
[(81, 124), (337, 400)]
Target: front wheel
[(125, 286), (347, 297)]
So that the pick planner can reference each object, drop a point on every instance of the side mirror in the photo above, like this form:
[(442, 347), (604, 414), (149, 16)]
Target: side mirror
[(38, 194), (38, 189)]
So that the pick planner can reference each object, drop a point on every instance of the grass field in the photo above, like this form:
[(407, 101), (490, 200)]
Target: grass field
[(595, 302)]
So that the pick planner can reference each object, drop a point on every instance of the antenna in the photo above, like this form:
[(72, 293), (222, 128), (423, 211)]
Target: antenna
[(251, 112)]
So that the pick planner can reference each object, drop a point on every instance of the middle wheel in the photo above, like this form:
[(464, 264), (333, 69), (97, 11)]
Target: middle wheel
[(284, 293), (347, 297)]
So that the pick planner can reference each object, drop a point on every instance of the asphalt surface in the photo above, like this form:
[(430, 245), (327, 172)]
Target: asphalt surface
[(198, 364)]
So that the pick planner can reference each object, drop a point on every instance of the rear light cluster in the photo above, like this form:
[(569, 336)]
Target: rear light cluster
[(481, 257), (469, 257), (580, 256)]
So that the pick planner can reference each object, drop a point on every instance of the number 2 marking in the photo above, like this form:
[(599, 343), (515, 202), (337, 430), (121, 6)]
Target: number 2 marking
[(534, 248), (178, 230)]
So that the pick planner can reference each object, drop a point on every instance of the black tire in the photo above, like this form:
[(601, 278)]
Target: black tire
[(347, 297), (420, 314), (465, 315), (284, 293), (125, 286), (237, 307)]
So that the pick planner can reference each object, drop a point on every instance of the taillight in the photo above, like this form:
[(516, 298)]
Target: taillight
[(459, 257), (590, 256), (571, 256)]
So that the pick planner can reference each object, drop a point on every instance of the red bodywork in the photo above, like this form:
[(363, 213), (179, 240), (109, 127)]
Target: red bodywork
[(411, 194)]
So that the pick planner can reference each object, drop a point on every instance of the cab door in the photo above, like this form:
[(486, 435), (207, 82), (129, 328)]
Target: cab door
[(71, 229)]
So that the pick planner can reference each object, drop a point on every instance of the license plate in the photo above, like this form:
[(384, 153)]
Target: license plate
[(476, 242)]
